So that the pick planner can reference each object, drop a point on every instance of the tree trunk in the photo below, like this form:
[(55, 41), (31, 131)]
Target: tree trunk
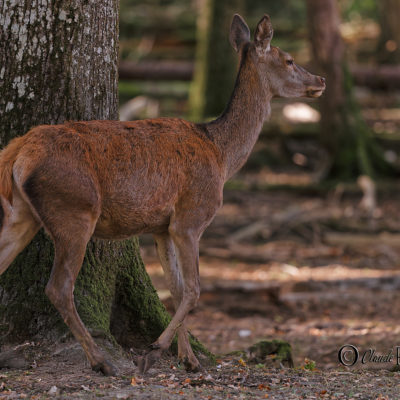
[(344, 132), (58, 61), (389, 43), (215, 59)]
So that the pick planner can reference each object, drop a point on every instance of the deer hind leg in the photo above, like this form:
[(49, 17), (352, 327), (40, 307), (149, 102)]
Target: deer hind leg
[(18, 227), (68, 206), (186, 244), (167, 255), (69, 254)]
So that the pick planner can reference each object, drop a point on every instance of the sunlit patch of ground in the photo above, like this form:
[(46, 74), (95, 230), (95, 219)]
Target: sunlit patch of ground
[(318, 309), (212, 270), (318, 290), (317, 293)]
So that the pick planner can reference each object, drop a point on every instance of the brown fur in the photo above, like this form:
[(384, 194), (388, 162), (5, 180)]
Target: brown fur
[(102, 165), (7, 159), (163, 176)]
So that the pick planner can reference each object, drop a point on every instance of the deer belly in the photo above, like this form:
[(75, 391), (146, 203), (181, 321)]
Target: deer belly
[(122, 223)]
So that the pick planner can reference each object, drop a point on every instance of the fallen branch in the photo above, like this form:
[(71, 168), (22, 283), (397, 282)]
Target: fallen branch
[(14, 358), (286, 219), (354, 239), (380, 77), (374, 77), (156, 70), (265, 224)]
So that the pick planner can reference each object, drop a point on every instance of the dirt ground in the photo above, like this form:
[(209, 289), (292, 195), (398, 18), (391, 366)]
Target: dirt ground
[(315, 270)]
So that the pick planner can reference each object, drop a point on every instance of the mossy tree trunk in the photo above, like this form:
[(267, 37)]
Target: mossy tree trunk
[(346, 136), (58, 61), (216, 61)]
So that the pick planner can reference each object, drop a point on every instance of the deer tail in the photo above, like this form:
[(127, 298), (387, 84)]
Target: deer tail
[(7, 159)]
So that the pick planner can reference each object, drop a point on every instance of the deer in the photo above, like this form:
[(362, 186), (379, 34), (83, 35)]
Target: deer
[(163, 176)]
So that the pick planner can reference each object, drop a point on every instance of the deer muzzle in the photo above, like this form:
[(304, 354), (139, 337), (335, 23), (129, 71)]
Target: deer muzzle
[(316, 90)]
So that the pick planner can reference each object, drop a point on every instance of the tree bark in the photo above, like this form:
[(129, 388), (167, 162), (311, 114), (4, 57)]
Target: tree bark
[(345, 134), (389, 43), (58, 61), (215, 59)]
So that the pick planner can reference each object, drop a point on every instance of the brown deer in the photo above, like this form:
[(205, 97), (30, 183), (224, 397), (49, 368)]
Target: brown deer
[(165, 176)]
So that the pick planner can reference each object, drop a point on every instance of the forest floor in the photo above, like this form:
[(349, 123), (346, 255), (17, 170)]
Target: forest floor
[(312, 269)]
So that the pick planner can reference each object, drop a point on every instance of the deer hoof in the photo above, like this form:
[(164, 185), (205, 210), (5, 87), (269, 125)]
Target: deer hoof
[(192, 365), (154, 346), (146, 362), (106, 368)]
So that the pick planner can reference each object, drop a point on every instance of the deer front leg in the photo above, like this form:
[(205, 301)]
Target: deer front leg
[(186, 244), (167, 255)]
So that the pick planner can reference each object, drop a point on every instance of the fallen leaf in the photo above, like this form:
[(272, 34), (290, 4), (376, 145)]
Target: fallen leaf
[(187, 381), (261, 386), (242, 362)]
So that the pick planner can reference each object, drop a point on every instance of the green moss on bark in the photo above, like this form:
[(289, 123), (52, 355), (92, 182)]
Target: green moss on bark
[(26, 312), (95, 286), (259, 352), (200, 349), (138, 316)]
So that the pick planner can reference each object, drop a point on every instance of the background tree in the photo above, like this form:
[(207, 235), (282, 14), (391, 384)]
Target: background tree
[(389, 43), (346, 136), (58, 61), (215, 66)]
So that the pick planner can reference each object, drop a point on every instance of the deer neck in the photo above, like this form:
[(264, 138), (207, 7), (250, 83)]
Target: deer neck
[(236, 131)]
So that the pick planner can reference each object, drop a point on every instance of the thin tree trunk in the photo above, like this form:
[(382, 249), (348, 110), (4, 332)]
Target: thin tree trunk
[(58, 61), (389, 43), (345, 134), (329, 52), (215, 67)]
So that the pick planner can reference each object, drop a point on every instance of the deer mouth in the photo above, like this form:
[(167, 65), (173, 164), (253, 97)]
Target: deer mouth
[(315, 92)]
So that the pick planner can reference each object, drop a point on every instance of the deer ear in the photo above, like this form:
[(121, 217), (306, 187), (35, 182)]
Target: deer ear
[(264, 33), (240, 32)]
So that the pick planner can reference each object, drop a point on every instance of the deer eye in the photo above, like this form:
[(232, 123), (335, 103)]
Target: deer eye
[(289, 62)]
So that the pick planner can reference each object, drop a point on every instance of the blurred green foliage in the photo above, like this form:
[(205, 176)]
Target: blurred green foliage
[(351, 9), (172, 95), (138, 18), (167, 30), (146, 24), (286, 14)]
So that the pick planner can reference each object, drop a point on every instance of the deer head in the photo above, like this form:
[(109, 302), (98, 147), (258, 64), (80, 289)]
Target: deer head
[(278, 72)]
